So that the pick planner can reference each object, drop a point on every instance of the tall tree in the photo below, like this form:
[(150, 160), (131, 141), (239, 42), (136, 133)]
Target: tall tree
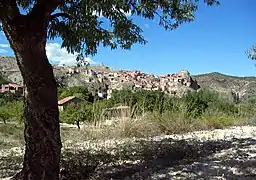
[(83, 25)]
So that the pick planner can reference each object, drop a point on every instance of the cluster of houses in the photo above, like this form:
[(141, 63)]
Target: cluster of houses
[(16, 89), (170, 83), (173, 84)]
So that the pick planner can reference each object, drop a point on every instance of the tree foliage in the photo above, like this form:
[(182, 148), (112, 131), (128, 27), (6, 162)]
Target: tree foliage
[(3, 80), (85, 24), (76, 113), (78, 91), (10, 107), (252, 53), (11, 110), (4, 114), (193, 104)]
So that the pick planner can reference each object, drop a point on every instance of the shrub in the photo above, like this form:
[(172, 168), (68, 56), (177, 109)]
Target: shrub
[(4, 114), (3, 80), (12, 110), (141, 101), (76, 113), (171, 122), (135, 127), (215, 120), (9, 97)]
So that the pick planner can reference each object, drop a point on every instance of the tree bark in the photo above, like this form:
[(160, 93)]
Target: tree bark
[(42, 132), (27, 37)]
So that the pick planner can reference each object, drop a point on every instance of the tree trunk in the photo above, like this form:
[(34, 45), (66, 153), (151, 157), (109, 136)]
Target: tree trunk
[(41, 114), (78, 124), (42, 131)]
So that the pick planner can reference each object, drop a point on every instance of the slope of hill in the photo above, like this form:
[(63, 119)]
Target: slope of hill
[(9, 69), (245, 87)]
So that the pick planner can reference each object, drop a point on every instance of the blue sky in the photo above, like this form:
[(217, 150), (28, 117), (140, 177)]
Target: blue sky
[(215, 42)]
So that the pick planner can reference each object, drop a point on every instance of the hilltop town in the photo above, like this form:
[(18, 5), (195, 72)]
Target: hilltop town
[(173, 84), (102, 80)]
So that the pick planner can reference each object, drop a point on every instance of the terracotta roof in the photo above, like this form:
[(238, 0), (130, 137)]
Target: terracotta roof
[(14, 85), (66, 99)]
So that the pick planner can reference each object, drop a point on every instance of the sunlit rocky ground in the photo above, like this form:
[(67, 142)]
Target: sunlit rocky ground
[(218, 154)]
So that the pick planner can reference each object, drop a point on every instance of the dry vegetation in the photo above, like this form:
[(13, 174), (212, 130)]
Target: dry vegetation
[(125, 150), (199, 136)]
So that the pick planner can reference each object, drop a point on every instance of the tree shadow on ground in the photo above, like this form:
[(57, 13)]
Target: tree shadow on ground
[(163, 159), (153, 160)]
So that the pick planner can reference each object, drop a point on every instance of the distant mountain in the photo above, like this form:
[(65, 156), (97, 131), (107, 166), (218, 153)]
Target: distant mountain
[(10, 70), (245, 87)]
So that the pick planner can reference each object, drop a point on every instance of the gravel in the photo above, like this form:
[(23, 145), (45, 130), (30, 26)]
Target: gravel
[(216, 154)]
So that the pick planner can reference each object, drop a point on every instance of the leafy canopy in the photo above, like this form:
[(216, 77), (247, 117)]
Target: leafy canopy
[(75, 113), (85, 24), (78, 91), (3, 80)]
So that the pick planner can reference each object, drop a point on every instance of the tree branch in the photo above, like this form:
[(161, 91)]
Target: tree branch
[(8, 10), (44, 8), (56, 15)]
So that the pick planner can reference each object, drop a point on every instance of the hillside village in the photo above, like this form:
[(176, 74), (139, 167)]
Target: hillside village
[(173, 84), (102, 80)]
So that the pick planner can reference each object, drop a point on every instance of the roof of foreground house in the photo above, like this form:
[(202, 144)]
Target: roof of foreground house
[(65, 100)]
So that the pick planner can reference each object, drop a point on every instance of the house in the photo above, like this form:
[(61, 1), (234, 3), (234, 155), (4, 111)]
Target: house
[(62, 104), (12, 88), (73, 70)]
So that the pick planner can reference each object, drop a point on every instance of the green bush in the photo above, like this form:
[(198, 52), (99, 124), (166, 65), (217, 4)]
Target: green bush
[(76, 113), (9, 97), (198, 102), (4, 114), (3, 80), (12, 110), (215, 120), (142, 101)]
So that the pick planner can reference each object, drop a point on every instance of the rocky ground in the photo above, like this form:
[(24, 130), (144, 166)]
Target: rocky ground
[(217, 154)]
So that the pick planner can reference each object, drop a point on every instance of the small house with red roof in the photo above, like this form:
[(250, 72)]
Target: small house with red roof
[(12, 88), (62, 104)]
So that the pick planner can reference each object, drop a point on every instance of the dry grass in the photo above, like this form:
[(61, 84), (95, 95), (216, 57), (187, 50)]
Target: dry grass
[(11, 135), (148, 125), (215, 120), (137, 127)]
